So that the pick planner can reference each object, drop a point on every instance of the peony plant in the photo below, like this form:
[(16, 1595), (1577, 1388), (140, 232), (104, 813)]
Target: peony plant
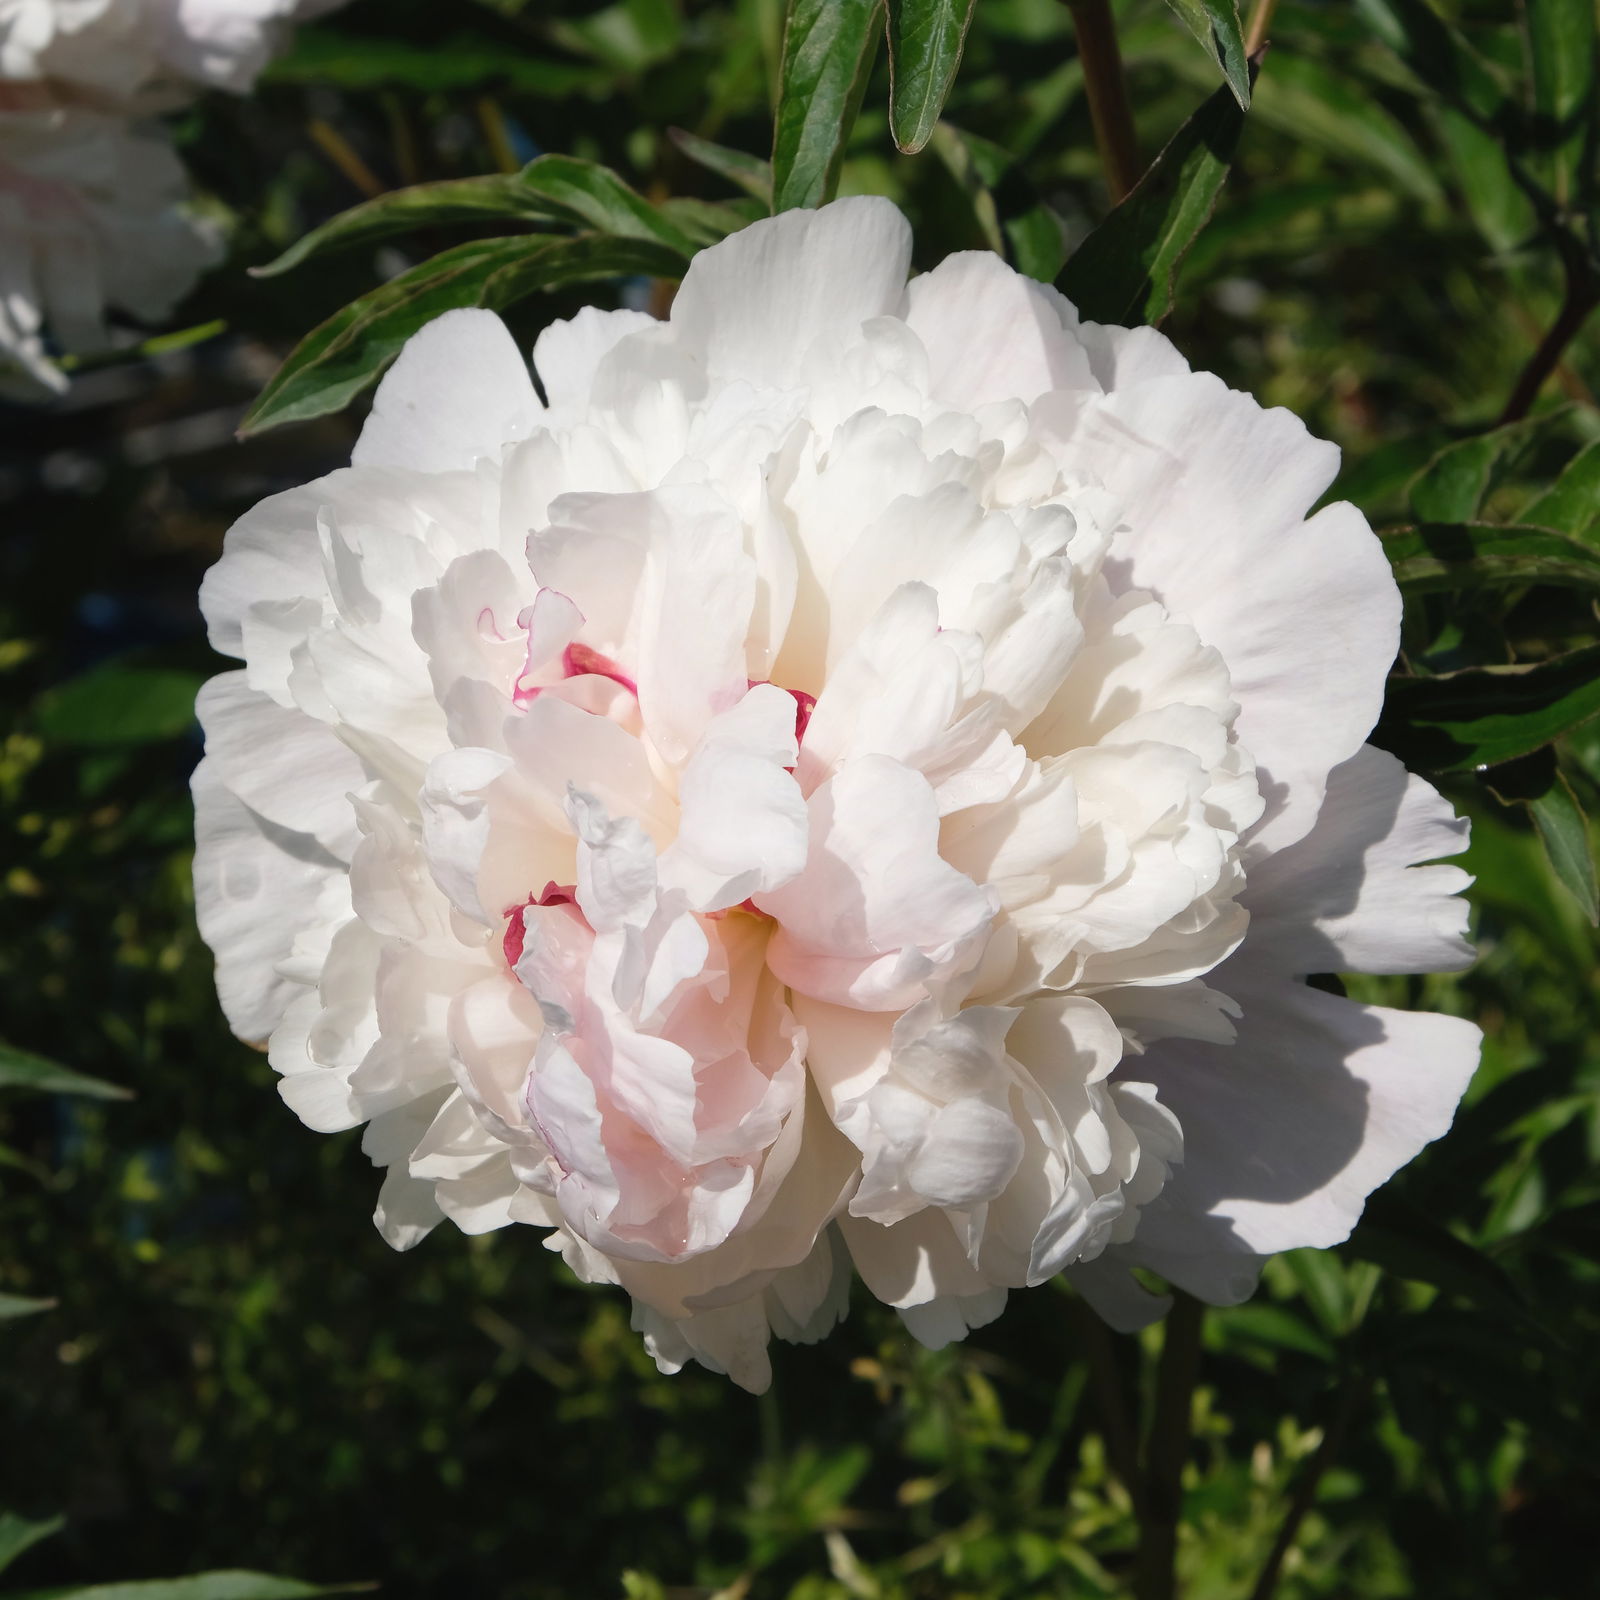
[(850, 779)]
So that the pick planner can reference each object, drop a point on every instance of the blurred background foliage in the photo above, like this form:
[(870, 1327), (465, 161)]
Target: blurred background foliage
[(208, 1358)]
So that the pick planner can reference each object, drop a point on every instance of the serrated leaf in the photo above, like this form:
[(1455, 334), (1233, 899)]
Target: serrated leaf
[(828, 46), (348, 352), (926, 38), (22, 1069), (118, 704), (744, 171), (1125, 271), (1564, 832), (1571, 505), (230, 1585), (21, 1533), (1439, 556), (1484, 716), (1215, 23)]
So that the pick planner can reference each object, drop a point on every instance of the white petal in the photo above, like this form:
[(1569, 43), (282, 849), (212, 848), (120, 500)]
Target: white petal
[(992, 334), (1352, 896), (1287, 1131), (752, 306), (459, 390), (566, 354)]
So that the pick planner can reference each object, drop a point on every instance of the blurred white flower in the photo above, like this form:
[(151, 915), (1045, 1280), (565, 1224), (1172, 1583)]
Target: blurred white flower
[(91, 216), (857, 773), (92, 202), (121, 53)]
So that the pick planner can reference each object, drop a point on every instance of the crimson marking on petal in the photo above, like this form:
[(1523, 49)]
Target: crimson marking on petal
[(553, 894), (577, 660)]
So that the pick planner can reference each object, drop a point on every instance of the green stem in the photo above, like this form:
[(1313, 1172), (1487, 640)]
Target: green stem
[(1167, 1452), (1107, 90)]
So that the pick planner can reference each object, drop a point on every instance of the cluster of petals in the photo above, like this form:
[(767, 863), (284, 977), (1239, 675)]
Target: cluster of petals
[(851, 779), (93, 200)]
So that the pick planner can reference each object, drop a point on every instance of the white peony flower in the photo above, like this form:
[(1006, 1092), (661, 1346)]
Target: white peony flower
[(854, 775), (114, 53), (91, 216)]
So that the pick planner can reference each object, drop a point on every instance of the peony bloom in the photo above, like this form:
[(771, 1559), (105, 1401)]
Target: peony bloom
[(854, 776), (91, 217)]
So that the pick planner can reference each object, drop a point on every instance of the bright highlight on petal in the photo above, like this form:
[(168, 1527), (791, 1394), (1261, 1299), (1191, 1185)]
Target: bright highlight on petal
[(860, 779)]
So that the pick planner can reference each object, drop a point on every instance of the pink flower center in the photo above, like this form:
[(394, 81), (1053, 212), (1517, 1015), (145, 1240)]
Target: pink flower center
[(553, 894)]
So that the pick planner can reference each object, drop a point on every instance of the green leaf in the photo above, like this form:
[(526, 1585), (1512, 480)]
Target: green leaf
[(19, 1533), (1483, 716), (1454, 484), (1125, 271), (828, 46), (926, 38), (745, 171), (1441, 556), (594, 195), (1500, 208), (22, 1069), (707, 221), (346, 354), (202, 1586), (1436, 53), (490, 198), (12, 1306), (1338, 114), (1561, 45), (1571, 504), (118, 704), (1564, 832), (1215, 23), (1405, 1241)]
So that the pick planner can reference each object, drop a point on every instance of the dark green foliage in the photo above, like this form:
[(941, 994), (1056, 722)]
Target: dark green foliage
[(211, 1362)]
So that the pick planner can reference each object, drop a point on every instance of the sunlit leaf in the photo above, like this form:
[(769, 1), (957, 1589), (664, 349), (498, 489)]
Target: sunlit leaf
[(1454, 484), (1215, 23), (1125, 271), (828, 46), (926, 38), (346, 354)]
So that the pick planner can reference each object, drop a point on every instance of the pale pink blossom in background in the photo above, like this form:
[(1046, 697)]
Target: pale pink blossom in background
[(94, 203), (854, 777)]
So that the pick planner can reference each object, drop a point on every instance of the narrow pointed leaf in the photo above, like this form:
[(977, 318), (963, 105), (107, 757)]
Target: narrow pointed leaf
[(1215, 23), (1561, 44), (828, 46), (555, 188), (1126, 270), (20, 1533), (493, 197), (202, 1586), (22, 1069), (1455, 483), (926, 38), (1439, 556), (745, 171), (1484, 716), (347, 353), (1564, 833)]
